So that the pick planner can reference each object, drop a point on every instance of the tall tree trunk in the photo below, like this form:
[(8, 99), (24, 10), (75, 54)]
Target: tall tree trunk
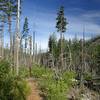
[(2, 38), (33, 47), (25, 56), (11, 38), (30, 65), (61, 52), (83, 58), (35, 55), (70, 57), (18, 38)]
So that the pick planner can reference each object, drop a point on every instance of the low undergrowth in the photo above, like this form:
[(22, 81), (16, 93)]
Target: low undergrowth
[(53, 85), (12, 87)]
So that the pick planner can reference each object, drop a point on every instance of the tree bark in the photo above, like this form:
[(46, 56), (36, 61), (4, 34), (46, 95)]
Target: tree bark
[(18, 38), (61, 37), (2, 40), (11, 37)]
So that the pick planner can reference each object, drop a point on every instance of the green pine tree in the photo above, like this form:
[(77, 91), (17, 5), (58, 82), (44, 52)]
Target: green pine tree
[(52, 44), (25, 28), (97, 60), (61, 21), (61, 27)]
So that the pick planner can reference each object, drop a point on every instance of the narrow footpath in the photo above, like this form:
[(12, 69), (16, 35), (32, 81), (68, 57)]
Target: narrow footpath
[(34, 91)]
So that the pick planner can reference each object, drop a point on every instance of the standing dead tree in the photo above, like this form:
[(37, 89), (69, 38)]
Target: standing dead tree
[(2, 36), (33, 58), (82, 57), (17, 43), (30, 62)]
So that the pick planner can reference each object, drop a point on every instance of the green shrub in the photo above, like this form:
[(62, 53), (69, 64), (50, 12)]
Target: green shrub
[(87, 76), (68, 77), (51, 88), (12, 87), (24, 72), (41, 72), (4, 69)]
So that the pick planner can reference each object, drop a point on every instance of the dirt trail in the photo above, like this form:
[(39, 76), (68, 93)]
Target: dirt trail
[(34, 91)]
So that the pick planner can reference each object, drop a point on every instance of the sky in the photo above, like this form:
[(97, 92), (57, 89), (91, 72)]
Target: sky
[(80, 14)]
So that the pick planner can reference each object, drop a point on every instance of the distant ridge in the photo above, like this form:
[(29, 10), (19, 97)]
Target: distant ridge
[(96, 38)]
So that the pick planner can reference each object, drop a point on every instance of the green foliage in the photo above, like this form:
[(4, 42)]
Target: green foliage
[(87, 76), (8, 7), (12, 87), (52, 44), (25, 28), (68, 77), (97, 59), (24, 72), (41, 72), (51, 87), (76, 52), (64, 46), (61, 21), (4, 69)]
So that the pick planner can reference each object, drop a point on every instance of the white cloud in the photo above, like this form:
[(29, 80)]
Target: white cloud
[(45, 24)]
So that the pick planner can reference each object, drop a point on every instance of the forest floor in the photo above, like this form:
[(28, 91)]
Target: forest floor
[(82, 94), (34, 91), (74, 93)]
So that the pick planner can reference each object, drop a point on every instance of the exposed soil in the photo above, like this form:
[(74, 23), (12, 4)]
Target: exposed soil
[(34, 91)]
